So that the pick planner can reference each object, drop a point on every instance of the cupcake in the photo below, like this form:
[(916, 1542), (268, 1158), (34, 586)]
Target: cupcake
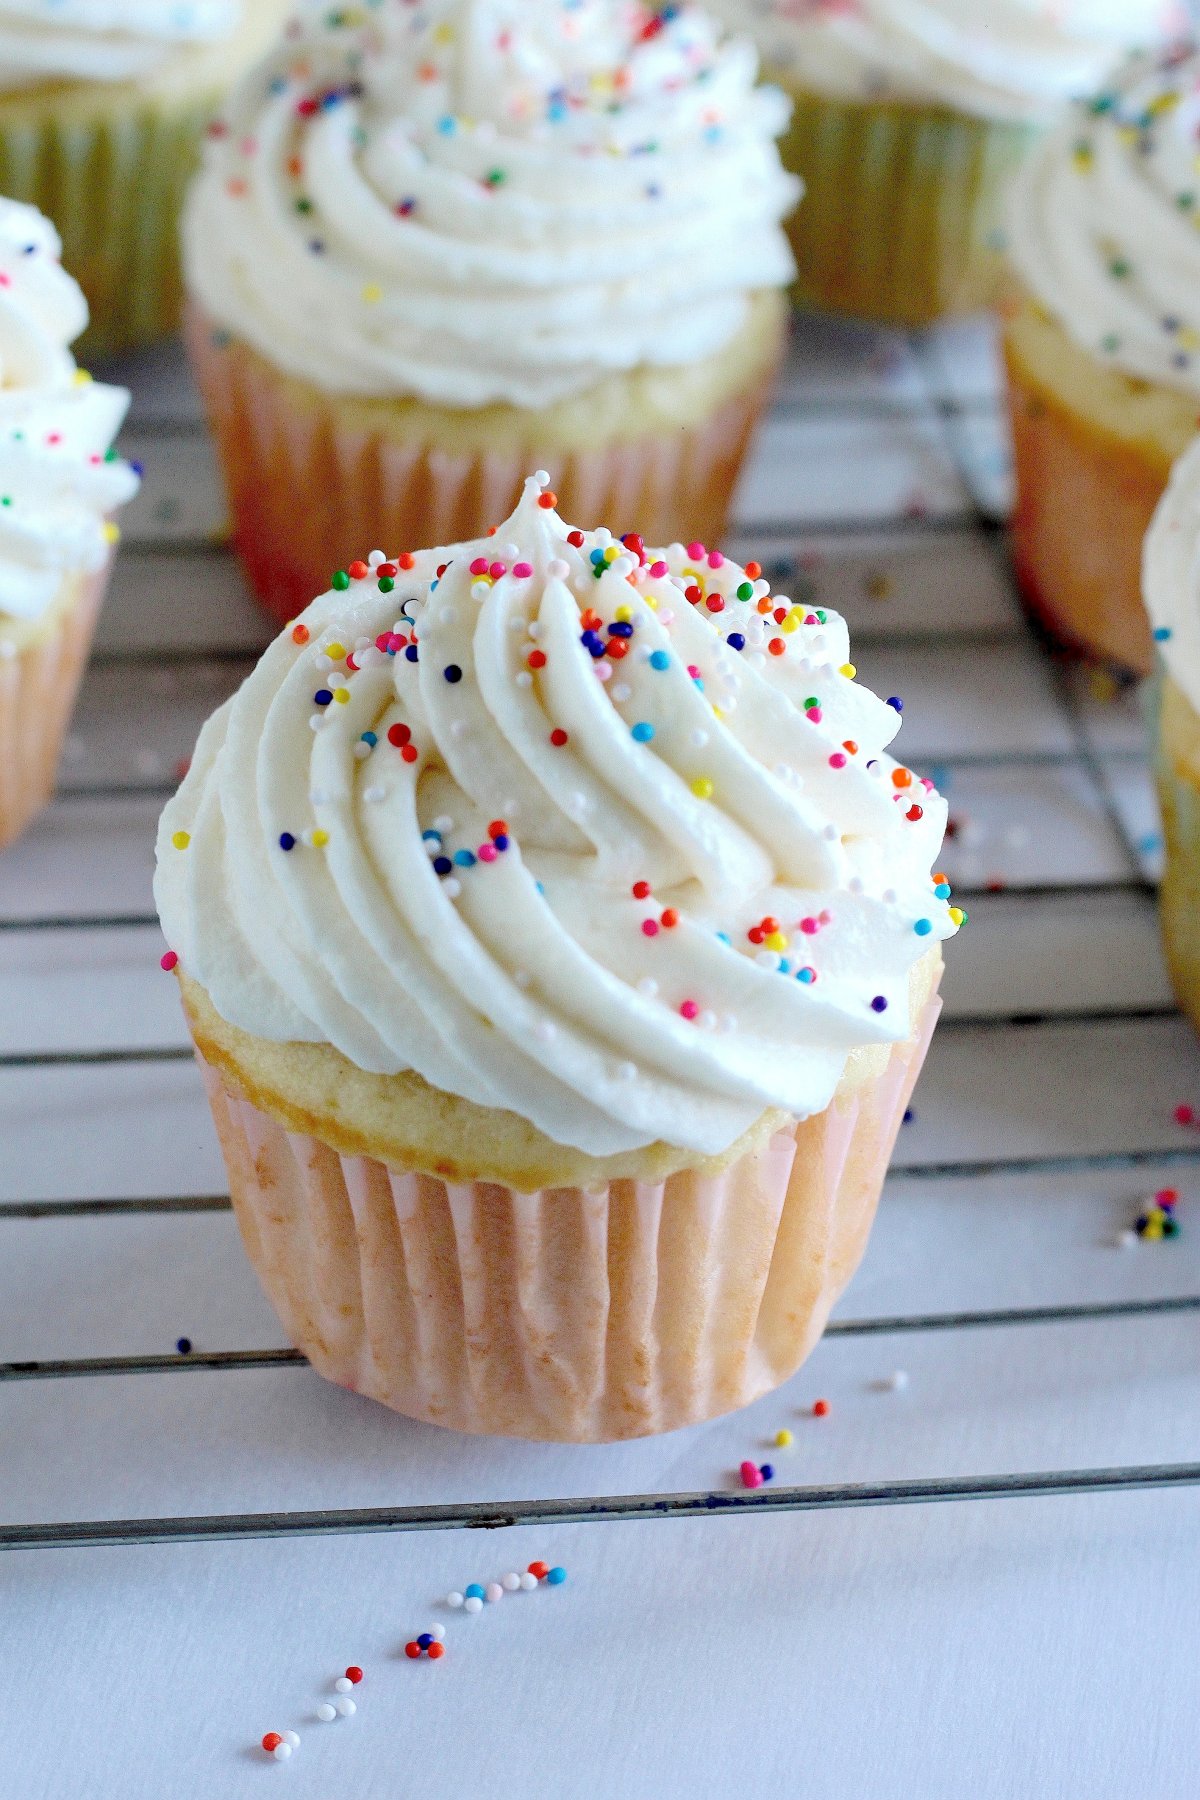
[(102, 106), (908, 123), (435, 248), (560, 950), (1172, 591), (60, 484), (1102, 344)]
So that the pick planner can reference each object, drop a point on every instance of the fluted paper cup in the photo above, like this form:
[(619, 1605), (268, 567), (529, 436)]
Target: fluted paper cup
[(577, 1315)]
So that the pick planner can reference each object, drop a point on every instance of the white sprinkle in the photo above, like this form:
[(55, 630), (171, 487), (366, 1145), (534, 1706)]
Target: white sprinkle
[(698, 738), (361, 751), (458, 729), (1126, 1240), (511, 1581), (318, 797), (316, 722), (603, 669), (621, 692), (729, 1022), (452, 887), (665, 616), (544, 1031), (516, 623), (480, 590), (494, 1592), (443, 823), (534, 629), (528, 1582), (855, 884), (524, 678), (326, 1713), (455, 1600), (346, 1708), (508, 552), (373, 794), (292, 1738), (375, 558), (831, 834), (342, 1685), (897, 1381), (438, 1632), (323, 662), (888, 896), (473, 1605), (626, 1071), (558, 570), (767, 959), (281, 1752), (707, 1021), (542, 477)]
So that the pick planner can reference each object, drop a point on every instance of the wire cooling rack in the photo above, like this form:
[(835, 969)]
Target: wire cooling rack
[(998, 1343)]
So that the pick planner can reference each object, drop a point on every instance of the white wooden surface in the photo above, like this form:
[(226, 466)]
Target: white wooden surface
[(988, 1649)]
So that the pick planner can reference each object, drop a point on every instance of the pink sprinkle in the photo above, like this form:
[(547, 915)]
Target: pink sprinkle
[(169, 961), (825, 916), (695, 551), (814, 713), (498, 569), (811, 619), (54, 437), (487, 852), (5, 280), (351, 664), (1184, 1114), (522, 571), (649, 927), (927, 784), (658, 570), (715, 559), (751, 1475), (693, 671), (809, 927), (95, 461), (603, 669), (689, 1009), (479, 566), (837, 760)]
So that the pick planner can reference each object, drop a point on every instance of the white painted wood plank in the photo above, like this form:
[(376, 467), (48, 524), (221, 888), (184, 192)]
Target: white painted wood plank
[(1131, 786), (168, 600), (979, 700), (1028, 826), (808, 471), (961, 361), (82, 857), (840, 361)]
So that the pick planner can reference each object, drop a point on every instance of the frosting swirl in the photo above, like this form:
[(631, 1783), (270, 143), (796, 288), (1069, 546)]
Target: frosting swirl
[(1171, 575), (102, 40), (1104, 222), (483, 201), (1007, 60), (605, 837), (58, 479)]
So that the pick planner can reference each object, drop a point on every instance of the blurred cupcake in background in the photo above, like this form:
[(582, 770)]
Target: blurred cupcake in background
[(1172, 593), (102, 106), (60, 484), (909, 121), (436, 247), (1102, 343)]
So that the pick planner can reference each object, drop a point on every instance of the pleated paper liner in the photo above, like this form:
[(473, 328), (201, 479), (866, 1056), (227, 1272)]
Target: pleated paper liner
[(1178, 773), (1087, 484), (902, 215), (571, 1314), (315, 480), (38, 685)]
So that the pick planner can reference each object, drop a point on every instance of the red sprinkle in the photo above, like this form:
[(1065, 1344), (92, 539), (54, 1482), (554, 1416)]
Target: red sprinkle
[(412, 1651), (398, 734), (689, 1009), (1185, 1115), (354, 1673), (358, 571), (669, 919), (820, 1408), (537, 659), (410, 753), (300, 634), (169, 961), (540, 1569), (271, 1741), (641, 890), (547, 499), (435, 1651), (576, 538)]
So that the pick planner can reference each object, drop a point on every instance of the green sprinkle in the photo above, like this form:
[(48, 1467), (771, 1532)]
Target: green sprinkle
[(745, 590), (340, 581)]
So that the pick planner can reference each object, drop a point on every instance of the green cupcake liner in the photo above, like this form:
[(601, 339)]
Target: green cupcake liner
[(113, 183), (903, 207)]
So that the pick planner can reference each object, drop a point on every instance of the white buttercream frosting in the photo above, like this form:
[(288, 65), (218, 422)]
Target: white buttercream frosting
[(58, 482), (603, 836), (1171, 575), (480, 200), (997, 59), (102, 40), (1105, 222)]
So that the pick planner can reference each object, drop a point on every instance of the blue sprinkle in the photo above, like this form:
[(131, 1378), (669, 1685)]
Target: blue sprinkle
[(660, 659), (555, 1577), (501, 840), (910, 1117), (442, 865), (622, 628), (1162, 633), (184, 1346), (425, 1639), (767, 1472), (447, 126), (474, 1592), (431, 837), (642, 732), (807, 976), (410, 652), (725, 938), (785, 967), (597, 556), (540, 887), (286, 841), (368, 737), (942, 890), (465, 858), (894, 702), (736, 641), (453, 673), (879, 1004), (923, 927), (322, 697)]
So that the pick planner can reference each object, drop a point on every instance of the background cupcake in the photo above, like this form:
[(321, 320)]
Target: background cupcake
[(560, 943), (1172, 590), (435, 248), (908, 124), (59, 486), (102, 105), (1102, 344)]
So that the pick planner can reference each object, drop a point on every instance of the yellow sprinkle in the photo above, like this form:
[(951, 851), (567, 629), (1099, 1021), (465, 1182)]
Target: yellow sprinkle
[(372, 292), (320, 839), (957, 915), (443, 34), (335, 652), (783, 1439), (651, 601), (611, 554), (702, 787), (112, 533), (180, 839), (777, 941), (624, 614), (82, 377), (341, 695), (790, 624), (848, 670)]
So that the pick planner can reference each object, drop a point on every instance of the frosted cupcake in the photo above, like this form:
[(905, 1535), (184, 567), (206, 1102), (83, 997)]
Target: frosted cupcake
[(1172, 590), (60, 484), (435, 248), (560, 948), (909, 121), (1103, 349), (102, 106)]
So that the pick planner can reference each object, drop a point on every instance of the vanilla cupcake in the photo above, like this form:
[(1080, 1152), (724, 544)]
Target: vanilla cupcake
[(60, 484), (910, 118), (435, 247), (560, 948), (1172, 592), (102, 107), (1102, 344)]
